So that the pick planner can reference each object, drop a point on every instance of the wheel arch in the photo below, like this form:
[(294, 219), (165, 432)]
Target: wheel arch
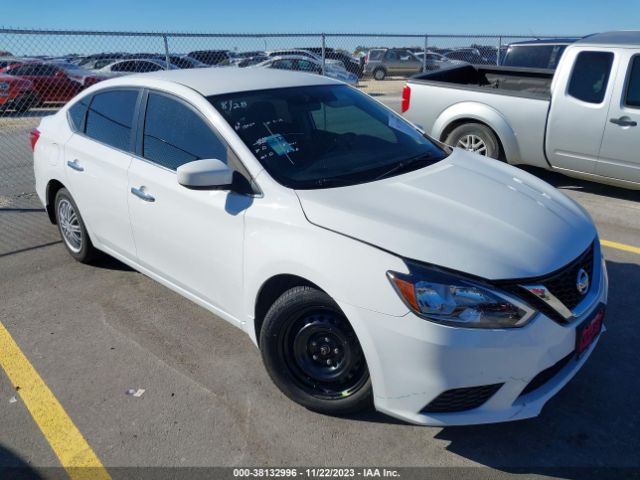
[(270, 291), (53, 186), (473, 112)]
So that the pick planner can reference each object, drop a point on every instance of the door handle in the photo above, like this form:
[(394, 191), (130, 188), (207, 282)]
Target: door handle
[(75, 166), (624, 122), (140, 193)]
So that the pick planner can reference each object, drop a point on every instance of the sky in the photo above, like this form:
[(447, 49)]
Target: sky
[(537, 17)]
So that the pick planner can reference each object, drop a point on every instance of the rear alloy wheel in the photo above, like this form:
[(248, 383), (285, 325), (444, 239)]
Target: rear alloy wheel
[(72, 229), (476, 138), (313, 355), (379, 74)]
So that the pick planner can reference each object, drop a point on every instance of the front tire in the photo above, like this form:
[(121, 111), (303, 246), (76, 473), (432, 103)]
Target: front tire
[(476, 138), (313, 355), (72, 229)]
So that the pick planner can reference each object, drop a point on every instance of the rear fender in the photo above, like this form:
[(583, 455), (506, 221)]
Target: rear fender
[(479, 112)]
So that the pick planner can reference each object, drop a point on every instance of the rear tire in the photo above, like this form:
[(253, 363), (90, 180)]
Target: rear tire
[(72, 229), (313, 355), (379, 74), (477, 138)]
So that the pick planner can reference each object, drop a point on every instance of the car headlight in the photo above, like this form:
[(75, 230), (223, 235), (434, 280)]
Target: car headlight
[(4, 86), (453, 300)]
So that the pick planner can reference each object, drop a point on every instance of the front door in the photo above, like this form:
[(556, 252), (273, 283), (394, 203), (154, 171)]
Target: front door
[(579, 112), (620, 152), (191, 238)]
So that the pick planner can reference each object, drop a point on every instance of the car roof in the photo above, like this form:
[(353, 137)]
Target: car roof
[(630, 38), (218, 81), (547, 41)]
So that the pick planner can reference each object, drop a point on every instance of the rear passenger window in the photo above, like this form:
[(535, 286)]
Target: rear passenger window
[(590, 76), (110, 118), (633, 87), (174, 134), (77, 113)]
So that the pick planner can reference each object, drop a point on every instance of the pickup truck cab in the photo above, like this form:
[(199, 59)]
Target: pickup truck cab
[(581, 120)]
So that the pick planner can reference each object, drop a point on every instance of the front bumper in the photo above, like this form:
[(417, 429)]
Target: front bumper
[(412, 361)]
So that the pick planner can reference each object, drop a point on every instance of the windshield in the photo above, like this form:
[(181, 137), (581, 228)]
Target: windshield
[(325, 136)]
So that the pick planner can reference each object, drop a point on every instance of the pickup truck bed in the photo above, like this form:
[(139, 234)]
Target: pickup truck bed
[(522, 82)]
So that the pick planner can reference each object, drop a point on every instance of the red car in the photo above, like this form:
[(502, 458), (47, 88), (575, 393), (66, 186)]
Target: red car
[(54, 82), (16, 94)]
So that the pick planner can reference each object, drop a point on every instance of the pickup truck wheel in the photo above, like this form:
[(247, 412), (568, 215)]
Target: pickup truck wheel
[(476, 138), (71, 226), (379, 74), (313, 355)]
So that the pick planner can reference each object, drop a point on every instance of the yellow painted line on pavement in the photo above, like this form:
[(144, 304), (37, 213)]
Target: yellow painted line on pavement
[(620, 246), (73, 451)]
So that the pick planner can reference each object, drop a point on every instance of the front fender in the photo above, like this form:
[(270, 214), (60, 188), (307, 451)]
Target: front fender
[(479, 112), (282, 241)]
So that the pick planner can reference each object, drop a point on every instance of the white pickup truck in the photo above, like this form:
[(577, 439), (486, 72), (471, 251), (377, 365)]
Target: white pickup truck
[(581, 121)]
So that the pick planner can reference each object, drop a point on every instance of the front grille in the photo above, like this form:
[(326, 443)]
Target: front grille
[(546, 375), (562, 284), (460, 399)]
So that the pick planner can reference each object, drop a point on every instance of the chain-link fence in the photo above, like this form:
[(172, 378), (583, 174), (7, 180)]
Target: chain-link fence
[(41, 70)]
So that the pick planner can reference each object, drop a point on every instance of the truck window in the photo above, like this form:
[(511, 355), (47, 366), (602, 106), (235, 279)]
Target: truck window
[(633, 87), (590, 76)]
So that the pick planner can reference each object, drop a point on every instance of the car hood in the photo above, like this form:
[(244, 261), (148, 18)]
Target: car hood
[(466, 213)]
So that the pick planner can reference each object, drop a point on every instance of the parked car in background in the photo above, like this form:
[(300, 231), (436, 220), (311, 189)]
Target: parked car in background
[(581, 120), (249, 61), (16, 94), (51, 82), (301, 63), (82, 75), (469, 55), (98, 63), (537, 53), (337, 64), (140, 65), (89, 61), (381, 63), (435, 61), (183, 61), (351, 64), (371, 265), (211, 57)]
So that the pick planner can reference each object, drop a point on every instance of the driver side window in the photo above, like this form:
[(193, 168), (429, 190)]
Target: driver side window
[(175, 134)]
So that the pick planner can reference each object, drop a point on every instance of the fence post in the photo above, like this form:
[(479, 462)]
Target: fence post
[(424, 57), (324, 42), (499, 51), (166, 50)]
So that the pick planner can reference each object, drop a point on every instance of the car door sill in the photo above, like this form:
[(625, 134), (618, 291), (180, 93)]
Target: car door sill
[(172, 286)]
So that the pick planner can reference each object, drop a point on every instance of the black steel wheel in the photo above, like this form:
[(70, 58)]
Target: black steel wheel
[(313, 354)]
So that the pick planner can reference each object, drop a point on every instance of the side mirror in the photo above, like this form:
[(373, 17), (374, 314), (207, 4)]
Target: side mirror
[(60, 74), (205, 174)]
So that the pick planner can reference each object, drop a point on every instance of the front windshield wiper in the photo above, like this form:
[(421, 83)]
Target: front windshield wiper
[(404, 165)]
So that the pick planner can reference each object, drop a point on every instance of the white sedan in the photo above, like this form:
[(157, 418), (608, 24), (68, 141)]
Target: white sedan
[(370, 264)]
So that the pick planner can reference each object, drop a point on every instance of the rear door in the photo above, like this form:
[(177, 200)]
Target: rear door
[(97, 158), (579, 109), (619, 154)]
